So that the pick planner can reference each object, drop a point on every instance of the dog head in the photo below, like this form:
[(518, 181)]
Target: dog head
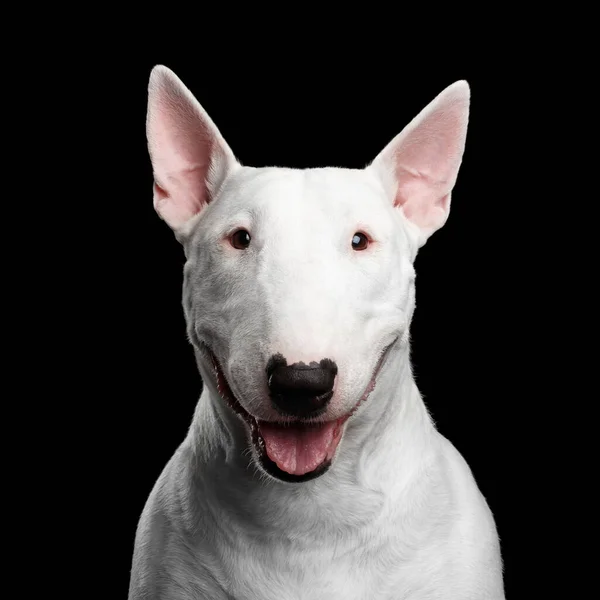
[(298, 282)]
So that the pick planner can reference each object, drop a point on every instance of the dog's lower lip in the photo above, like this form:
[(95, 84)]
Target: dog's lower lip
[(254, 425)]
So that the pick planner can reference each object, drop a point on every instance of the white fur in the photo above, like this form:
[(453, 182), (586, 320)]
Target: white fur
[(398, 515)]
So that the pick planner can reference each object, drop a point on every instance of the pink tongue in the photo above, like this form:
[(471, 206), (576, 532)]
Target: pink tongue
[(299, 450)]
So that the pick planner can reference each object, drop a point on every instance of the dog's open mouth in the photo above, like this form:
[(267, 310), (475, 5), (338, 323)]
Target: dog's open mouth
[(294, 451)]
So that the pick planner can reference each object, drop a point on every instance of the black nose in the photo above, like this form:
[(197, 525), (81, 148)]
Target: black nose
[(300, 390)]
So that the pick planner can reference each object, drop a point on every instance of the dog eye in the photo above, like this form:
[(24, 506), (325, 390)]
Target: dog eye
[(240, 239), (360, 241)]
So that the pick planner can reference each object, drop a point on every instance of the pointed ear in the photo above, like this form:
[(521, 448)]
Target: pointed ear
[(190, 159), (420, 165)]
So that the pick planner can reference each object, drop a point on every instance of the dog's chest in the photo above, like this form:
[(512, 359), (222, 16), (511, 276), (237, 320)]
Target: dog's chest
[(274, 573)]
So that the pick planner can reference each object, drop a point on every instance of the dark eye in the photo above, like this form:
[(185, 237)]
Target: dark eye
[(240, 239), (360, 241)]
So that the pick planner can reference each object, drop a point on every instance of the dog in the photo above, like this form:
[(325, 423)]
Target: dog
[(312, 469)]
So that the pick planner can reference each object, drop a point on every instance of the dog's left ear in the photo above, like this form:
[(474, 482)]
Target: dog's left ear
[(420, 165)]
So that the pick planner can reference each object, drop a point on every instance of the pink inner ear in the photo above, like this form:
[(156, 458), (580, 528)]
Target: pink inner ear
[(182, 149), (422, 212), (184, 144), (425, 159)]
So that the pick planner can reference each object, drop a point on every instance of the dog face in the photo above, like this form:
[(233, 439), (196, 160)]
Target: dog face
[(298, 282)]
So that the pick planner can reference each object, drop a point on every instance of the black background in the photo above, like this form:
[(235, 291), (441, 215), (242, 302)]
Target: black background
[(307, 113)]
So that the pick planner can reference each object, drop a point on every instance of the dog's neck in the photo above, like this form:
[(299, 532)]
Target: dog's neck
[(388, 444)]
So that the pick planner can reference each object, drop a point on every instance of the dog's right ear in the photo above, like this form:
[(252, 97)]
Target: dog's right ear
[(190, 158)]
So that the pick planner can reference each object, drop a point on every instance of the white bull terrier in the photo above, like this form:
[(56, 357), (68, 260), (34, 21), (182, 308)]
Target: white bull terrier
[(312, 469)]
